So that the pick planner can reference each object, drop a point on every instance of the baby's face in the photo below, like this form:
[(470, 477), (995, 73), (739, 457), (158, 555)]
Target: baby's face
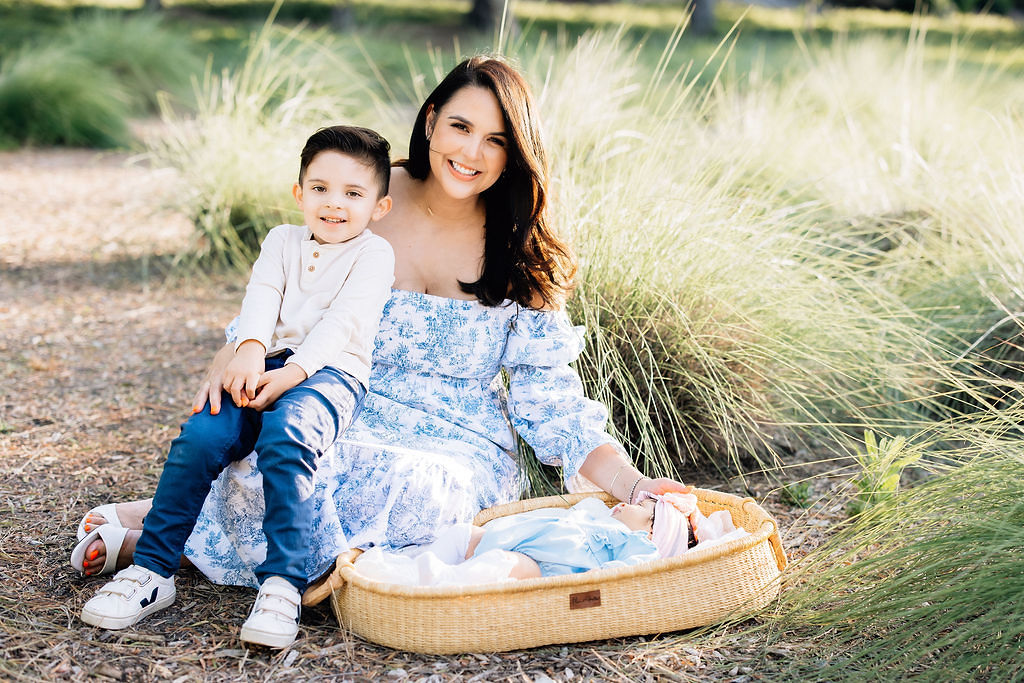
[(639, 517)]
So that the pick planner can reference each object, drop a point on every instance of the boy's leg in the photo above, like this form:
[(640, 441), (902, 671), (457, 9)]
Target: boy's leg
[(296, 430), (206, 445)]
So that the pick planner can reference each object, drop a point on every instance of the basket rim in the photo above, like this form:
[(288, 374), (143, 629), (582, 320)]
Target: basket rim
[(766, 528)]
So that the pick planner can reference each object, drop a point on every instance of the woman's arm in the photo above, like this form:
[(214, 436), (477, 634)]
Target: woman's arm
[(210, 389), (609, 468)]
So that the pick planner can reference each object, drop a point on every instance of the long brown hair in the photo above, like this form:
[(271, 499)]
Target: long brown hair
[(523, 259)]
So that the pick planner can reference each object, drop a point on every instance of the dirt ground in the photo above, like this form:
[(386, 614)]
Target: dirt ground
[(101, 345)]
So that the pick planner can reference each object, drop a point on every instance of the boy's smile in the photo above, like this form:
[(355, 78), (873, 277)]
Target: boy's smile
[(339, 197)]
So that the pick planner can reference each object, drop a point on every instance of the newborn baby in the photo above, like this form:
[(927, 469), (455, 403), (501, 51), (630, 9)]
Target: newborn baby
[(555, 541)]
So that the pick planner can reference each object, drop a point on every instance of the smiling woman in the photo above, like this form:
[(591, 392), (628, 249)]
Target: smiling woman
[(478, 136)]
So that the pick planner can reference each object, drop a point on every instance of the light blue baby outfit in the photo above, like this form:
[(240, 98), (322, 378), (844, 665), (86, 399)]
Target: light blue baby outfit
[(432, 445), (569, 540)]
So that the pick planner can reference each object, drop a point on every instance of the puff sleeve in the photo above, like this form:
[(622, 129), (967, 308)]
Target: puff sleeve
[(547, 405)]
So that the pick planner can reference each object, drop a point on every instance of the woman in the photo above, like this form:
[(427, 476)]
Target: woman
[(480, 281)]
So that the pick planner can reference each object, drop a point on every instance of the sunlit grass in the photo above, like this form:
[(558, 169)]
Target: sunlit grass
[(928, 585)]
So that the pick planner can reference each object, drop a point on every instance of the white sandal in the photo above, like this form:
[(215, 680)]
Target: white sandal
[(107, 512), (112, 537)]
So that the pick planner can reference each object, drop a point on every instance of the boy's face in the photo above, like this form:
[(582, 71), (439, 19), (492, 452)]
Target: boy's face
[(338, 197), (638, 517)]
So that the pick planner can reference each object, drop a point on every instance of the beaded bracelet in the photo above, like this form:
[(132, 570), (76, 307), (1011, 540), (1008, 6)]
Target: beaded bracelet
[(633, 489)]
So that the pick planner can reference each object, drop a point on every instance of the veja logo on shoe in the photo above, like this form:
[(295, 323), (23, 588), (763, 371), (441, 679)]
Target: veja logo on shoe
[(151, 599)]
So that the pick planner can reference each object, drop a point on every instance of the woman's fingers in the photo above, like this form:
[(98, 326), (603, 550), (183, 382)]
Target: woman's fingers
[(664, 485), (213, 397), (199, 400)]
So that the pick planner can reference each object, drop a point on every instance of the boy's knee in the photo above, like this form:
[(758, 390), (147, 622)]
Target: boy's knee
[(205, 441)]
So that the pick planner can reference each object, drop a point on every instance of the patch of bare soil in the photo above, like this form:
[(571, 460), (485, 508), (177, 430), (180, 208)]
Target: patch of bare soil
[(101, 346)]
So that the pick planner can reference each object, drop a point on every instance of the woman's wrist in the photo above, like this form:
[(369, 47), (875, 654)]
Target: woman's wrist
[(611, 487), (632, 490)]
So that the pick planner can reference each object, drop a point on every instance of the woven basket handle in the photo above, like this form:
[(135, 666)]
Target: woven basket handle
[(776, 544), (323, 587)]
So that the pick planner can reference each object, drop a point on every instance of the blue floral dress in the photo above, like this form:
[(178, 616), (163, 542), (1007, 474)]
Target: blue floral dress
[(434, 443)]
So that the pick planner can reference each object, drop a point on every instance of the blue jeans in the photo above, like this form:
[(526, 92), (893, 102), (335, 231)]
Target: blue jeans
[(288, 437)]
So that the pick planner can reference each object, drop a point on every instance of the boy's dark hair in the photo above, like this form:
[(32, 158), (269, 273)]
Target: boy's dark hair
[(365, 145)]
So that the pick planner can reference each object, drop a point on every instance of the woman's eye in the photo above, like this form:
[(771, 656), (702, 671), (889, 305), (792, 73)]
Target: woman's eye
[(500, 142), (460, 126)]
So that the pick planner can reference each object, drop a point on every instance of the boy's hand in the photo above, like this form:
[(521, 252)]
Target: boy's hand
[(274, 383), (242, 375)]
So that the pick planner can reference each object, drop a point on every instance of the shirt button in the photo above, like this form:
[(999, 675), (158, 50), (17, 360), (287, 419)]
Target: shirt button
[(311, 268), (316, 254)]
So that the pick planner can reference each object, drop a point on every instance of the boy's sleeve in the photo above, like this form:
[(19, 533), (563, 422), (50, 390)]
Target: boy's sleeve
[(355, 311), (261, 306)]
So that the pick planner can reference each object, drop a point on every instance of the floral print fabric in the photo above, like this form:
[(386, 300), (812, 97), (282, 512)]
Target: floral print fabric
[(433, 444)]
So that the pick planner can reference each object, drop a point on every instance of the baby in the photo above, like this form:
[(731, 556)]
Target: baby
[(555, 541)]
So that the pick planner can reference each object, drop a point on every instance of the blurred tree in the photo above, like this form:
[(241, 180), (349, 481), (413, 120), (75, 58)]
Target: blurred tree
[(153, 5), (342, 18), (486, 15), (703, 20)]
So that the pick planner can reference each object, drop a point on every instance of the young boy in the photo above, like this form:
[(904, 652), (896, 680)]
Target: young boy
[(302, 361)]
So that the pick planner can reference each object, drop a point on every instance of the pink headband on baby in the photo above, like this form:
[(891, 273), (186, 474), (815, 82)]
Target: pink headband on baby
[(672, 512)]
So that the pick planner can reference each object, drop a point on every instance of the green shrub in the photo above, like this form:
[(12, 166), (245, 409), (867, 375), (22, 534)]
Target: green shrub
[(880, 468), (52, 96), (144, 55)]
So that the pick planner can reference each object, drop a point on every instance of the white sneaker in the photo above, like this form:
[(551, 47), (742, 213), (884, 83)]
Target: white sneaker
[(274, 618), (134, 593)]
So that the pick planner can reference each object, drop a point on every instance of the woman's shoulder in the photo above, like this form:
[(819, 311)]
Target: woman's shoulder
[(401, 181)]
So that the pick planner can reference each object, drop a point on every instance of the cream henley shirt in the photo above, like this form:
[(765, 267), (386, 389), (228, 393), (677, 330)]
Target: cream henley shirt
[(322, 301)]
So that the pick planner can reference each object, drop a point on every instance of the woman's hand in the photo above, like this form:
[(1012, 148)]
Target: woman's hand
[(214, 379), (661, 485)]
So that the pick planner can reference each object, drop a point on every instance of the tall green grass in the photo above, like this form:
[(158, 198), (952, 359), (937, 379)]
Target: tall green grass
[(756, 253), (728, 277), (143, 53), (238, 152), (928, 585)]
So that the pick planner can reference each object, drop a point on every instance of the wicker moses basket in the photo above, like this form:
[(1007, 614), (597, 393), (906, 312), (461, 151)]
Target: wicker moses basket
[(698, 588)]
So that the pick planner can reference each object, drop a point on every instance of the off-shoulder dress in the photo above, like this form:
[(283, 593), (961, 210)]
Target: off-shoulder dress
[(434, 443)]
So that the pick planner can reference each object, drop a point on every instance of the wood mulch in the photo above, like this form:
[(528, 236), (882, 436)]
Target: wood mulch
[(101, 345)]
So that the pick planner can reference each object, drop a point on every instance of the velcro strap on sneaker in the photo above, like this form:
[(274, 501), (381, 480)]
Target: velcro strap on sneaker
[(278, 600)]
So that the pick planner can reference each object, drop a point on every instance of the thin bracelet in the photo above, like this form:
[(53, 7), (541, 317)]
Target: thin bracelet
[(611, 487), (633, 489)]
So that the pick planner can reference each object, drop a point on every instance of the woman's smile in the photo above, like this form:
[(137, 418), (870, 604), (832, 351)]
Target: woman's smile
[(462, 171)]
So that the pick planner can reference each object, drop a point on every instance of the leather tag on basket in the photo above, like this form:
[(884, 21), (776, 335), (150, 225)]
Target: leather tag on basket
[(584, 600)]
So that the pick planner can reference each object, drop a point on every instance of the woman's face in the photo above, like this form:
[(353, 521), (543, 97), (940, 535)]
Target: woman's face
[(468, 142)]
